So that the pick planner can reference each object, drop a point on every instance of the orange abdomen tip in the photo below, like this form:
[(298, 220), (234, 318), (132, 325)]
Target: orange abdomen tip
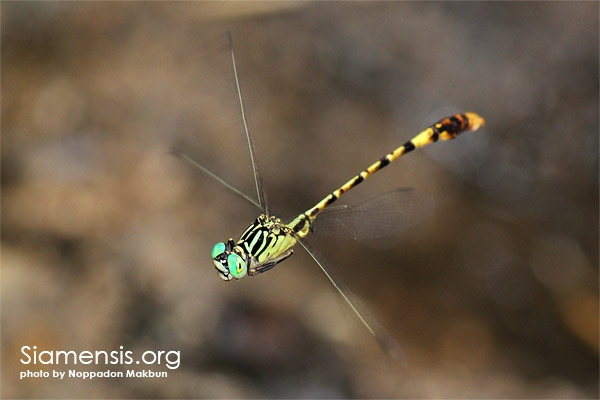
[(475, 121)]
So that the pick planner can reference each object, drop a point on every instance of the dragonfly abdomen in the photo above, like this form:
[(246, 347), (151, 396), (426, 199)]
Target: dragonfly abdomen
[(445, 129)]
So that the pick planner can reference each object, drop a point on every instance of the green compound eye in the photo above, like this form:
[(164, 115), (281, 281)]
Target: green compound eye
[(237, 266), (218, 250)]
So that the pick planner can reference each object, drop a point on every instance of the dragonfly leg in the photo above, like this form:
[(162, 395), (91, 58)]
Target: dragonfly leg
[(259, 269)]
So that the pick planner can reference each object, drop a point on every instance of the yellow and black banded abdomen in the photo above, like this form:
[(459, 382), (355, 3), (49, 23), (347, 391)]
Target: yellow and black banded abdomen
[(445, 129)]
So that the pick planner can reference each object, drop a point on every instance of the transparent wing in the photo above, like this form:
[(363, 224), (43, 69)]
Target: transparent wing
[(257, 179), (211, 174), (378, 216), (388, 344)]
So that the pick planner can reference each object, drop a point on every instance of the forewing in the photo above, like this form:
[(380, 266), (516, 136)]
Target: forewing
[(378, 216)]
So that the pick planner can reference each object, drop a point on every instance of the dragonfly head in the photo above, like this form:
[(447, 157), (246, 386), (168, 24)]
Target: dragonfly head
[(229, 260)]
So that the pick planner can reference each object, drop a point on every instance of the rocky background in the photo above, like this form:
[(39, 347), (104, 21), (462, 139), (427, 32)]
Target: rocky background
[(106, 236)]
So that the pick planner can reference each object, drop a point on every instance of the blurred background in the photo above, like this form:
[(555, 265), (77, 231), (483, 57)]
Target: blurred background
[(106, 236)]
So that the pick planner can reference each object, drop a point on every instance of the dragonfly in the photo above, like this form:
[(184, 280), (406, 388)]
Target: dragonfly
[(268, 240)]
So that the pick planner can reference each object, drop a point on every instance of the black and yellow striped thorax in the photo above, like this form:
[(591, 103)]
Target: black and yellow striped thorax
[(266, 238)]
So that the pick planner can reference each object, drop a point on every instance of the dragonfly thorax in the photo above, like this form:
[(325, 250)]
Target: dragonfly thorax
[(265, 243)]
